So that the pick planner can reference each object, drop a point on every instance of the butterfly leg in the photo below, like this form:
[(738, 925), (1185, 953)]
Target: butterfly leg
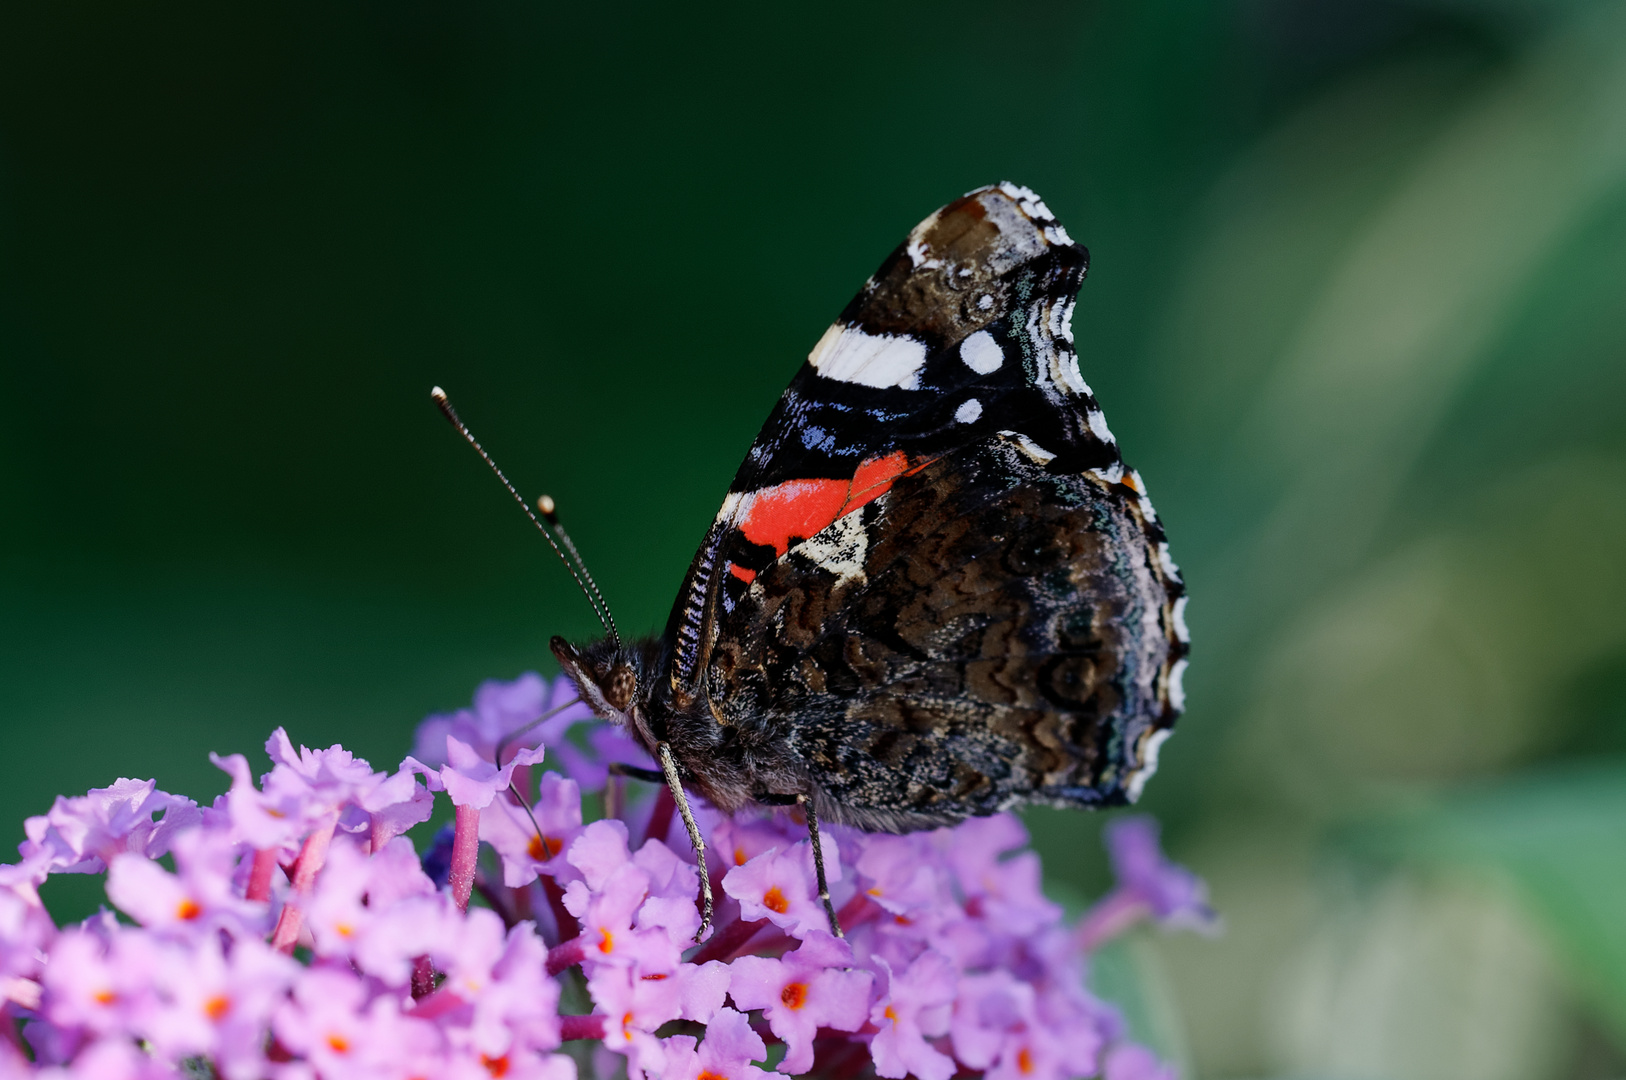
[(818, 862), (670, 773), (768, 798), (635, 772)]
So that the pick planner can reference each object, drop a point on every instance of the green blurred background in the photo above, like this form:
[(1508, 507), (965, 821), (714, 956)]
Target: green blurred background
[(1357, 310)]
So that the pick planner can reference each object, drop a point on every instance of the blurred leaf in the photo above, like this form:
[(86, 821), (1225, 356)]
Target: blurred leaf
[(1420, 977), (1447, 225), (1129, 973), (1560, 837), (1394, 373), (1443, 659), (1420, 297)]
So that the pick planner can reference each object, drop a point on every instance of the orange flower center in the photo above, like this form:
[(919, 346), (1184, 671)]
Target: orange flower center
[(709, 1075), (188, 909), (495, 1066), (217, 1007), (345, 930), (606, 941), (890, 1015), (1024, 1062), (339, 1043), (775, 901), (794, 995), (105, 997), (626, 1025), (739, 856), (543, 848)]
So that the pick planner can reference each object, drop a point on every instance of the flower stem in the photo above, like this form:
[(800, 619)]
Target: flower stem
[(311, 857), (725, 942), (423, 978), (857, 911), (580, 1027), (1112, 915), (465, 854), (259, 874), (566, 954), (568, 926)]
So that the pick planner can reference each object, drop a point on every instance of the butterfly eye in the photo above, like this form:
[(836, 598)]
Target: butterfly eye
[(619, 687)]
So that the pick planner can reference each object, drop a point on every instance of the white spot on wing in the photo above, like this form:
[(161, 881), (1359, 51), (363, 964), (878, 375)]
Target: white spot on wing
[(1154, 741), (968, 411), (1098, 426), (1033, 450), (916, 247), (982, 353), (1167, 562), (1180, 630), (1112, 474), (840, 547), (1064, 372), (1177, 684), (847, 354), (917, 254), (985, 301), (1031, 204)]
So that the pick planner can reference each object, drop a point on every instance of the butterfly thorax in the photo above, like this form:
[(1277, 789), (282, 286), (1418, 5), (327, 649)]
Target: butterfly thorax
[(729, 763)]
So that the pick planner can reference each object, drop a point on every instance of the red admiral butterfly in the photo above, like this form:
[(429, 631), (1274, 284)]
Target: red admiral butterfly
[(934, 589)]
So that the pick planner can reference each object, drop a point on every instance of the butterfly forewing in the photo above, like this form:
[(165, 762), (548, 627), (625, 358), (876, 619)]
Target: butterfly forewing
[(933, 576)]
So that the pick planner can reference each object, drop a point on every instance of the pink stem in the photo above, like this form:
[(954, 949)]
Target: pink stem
[(311, 857), (520, 903), (568, 926), (12, 1031), (1112, 915), (723, 943), (259, 874), (769, 939), (858, 911), (580, 1027), (423, 978), (566, 954), (465, 855)]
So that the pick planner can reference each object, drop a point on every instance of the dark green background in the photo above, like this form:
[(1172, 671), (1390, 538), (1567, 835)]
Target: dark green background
[(1354, 310)]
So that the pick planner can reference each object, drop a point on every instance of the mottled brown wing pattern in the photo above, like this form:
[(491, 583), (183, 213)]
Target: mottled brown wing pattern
[(987, 633)]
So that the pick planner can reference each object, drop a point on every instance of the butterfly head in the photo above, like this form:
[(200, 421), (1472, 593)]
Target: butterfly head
[(608, 676)]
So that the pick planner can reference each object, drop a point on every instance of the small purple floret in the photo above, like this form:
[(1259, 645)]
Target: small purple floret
[(293, 932)]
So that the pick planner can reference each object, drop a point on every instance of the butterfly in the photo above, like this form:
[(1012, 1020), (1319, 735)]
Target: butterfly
[(934, 589)]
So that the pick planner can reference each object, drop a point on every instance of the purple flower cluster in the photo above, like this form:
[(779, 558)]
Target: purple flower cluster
[(299, 934)]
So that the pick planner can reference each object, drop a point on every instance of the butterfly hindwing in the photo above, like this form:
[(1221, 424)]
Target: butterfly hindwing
[(986, 633)]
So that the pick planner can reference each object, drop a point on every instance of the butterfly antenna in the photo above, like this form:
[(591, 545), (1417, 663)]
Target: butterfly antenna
[(578, 569), (550, 514)]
